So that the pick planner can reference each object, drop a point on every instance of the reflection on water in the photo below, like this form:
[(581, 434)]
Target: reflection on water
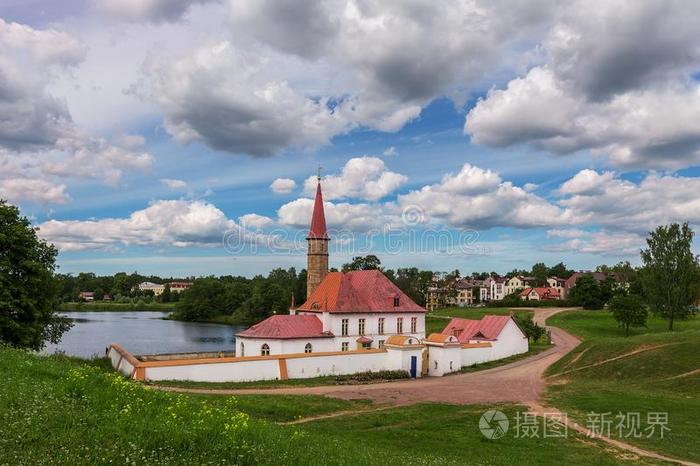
[(141, 333)]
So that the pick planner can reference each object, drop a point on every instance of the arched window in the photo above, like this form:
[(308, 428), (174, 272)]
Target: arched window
[(307, 348), (242, 349), (265, 349)]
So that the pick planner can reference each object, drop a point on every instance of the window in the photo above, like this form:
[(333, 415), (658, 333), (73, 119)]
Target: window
[(307, 348), (414, 324), (361, 327), (265, 349), (380, 326), (399, 325), (344, 346), (396, 302), (380, 344), (344, 330), (242, 349)]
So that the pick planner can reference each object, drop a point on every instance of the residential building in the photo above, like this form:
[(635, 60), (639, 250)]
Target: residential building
[(571, 281), (559, 284), (156, 288), (86, 296), (539, 294), (498, 288), (178, 287)]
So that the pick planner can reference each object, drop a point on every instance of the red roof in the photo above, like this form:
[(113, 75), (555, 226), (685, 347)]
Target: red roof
[(542, 292), (287, 326), (318, 219), (488, 328), (358, 291)]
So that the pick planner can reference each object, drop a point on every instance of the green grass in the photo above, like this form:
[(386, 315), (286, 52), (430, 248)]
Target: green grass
[(476, 312), (449, 434), (372, 377), (115, 307), (61, 410), (640, 383)]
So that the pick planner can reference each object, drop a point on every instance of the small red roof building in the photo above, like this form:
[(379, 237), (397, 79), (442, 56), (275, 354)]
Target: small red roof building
[(358, 291), (287, 326), (488, 328), (543, 293)]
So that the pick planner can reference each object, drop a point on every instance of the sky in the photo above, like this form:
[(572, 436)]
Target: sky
[(183, 138)]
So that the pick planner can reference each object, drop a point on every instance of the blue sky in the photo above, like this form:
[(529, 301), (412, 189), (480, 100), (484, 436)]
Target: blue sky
[(150, 131)]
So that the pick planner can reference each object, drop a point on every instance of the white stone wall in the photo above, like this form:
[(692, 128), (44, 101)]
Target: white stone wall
[(253, 346), (238, 371), (510, 341), (471, 356), (351, 363), (443, 360)]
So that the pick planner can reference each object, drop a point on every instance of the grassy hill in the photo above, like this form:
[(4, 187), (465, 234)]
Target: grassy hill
[(651, 371), (60, 410)]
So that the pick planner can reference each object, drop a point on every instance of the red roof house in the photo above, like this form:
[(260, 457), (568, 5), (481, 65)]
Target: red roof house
[(488, 328), (358, 291), (287, 326), (539, 294)]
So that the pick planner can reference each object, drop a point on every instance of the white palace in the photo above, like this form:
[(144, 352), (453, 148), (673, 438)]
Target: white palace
[(351, 322)]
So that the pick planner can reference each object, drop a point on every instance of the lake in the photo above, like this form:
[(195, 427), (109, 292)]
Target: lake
[(141, 333)]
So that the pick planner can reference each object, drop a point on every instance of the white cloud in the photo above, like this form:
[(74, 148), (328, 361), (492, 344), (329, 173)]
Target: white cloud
[(283, 186), (607, 243), (623, 92), (40, 146), (146, 10), (173, 183), (390, 151), (255, 221), (176, 223), (340, 216), (586, 182), (41, 191), (362, 177)]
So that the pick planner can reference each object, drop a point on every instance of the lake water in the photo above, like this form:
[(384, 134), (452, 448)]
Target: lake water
[(141, 333)]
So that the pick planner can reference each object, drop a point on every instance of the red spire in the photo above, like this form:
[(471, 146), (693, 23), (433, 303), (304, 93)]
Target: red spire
[(318, 220)]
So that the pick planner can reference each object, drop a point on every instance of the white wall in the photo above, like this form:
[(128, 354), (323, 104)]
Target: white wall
[(510, 341), (351, 363), (471, 356), (443, 360), (238, 371)]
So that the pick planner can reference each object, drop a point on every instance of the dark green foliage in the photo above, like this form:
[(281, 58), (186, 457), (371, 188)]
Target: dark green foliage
[(370, 376), (533, 331), (629, 311), (414, 283), (369, 262), (540, 272), (670, 277), (28, 289), (591, 294)]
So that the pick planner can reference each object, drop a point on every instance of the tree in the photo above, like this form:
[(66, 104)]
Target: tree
[(166, 295), (670, 276), (629, 311), (531, 329), (369, 262), (28, 288), (560, 271), (540, 273), (590, 294), (203, 300)]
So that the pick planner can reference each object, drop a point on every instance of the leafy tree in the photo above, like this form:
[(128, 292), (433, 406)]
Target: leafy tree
[(166, 295), (533, 331), (629, 311), (590, 294), (671, 273), (99, 294), (28, 288), (369, 262), (560, 271), (203, 300), (414, 283), (540, 272)]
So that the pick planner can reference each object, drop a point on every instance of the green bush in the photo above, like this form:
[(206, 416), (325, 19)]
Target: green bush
[(370, 376)]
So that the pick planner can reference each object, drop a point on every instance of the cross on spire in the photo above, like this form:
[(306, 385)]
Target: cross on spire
[(318, 172)]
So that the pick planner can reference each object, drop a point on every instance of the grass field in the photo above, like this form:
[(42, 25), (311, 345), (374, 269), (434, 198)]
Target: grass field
[(60, 410), (658, 379)]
